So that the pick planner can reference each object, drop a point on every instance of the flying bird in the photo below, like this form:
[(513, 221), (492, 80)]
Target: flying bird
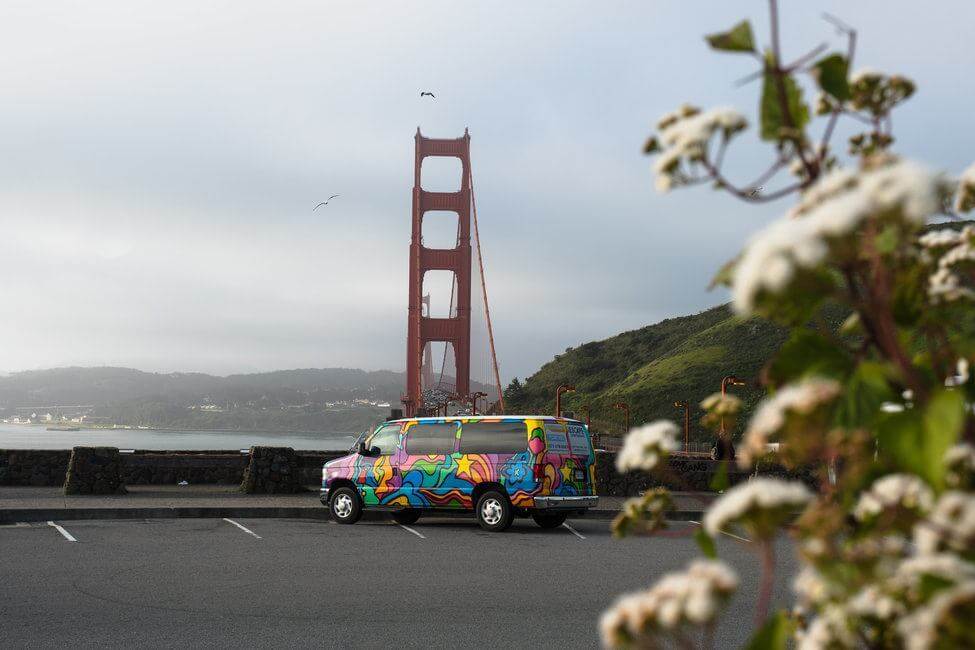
[(325, 202), (423, 93)]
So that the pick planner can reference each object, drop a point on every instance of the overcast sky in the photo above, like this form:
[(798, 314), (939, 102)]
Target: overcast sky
[(159, 162)]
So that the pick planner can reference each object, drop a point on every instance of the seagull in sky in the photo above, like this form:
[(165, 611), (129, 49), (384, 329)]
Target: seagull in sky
[(325, 202), (424, 93)]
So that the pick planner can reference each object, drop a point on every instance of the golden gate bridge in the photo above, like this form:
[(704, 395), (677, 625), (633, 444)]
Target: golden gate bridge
[(424, 395)]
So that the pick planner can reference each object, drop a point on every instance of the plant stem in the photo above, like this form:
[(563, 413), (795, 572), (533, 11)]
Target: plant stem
[(767, 551)]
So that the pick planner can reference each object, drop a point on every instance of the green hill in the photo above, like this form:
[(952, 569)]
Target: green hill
[(681, 358)]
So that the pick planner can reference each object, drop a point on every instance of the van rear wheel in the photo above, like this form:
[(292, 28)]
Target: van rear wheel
[(346, 506), (550, 519), (494, 511), (406, 516)]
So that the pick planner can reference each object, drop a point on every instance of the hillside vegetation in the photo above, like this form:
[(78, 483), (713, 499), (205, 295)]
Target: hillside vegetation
[(311, 399), (681, 358)]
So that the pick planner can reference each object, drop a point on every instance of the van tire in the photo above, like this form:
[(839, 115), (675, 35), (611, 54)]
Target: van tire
[(550, 519), (345, 506), (494, 511), (406, 516)]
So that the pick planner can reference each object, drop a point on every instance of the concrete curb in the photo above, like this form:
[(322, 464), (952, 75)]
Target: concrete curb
[(15, 515)]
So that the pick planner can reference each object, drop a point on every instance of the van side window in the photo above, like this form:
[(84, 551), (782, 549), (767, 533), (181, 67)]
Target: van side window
[(555, 440), (493, 438), (431, 438), (385, 439), (579, 440)]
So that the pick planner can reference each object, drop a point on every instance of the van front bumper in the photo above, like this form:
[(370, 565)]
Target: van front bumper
[(566, 503), (323, 496)]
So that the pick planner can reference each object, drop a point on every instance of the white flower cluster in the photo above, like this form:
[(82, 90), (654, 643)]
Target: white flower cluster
[(950, 526), (873, 602), (758, 498), (813, 589), (922, 629), (945, 283), (902, 491), (647, 445), (685, 135), (693, 596), (944, 566), (831, 629), (965, 198), (960, 465), (830, 210), (719, 404), (801, 398)]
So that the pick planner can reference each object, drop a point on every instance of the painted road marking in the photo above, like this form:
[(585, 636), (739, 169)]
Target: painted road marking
[(573, 531), (740, 539), (68, 536), (243, 528), (417, 533)]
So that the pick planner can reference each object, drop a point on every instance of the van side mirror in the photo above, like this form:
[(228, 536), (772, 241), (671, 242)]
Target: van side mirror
[(368, 452)]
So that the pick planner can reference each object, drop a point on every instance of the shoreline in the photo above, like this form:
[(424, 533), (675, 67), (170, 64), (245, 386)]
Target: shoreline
[(87, 427)]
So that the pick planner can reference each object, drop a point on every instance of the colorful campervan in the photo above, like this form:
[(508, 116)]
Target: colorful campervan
[(497, 466)]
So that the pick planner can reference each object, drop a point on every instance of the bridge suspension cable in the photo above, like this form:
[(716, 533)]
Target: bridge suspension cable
[(487, 310)]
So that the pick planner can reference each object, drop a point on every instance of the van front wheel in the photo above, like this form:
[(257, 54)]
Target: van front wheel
[(549, 519), (346, 506), (494, 511)]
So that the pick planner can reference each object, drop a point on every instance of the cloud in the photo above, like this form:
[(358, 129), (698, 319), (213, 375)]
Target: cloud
[(161, 163)]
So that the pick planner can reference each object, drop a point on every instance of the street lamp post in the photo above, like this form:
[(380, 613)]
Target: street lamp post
[(564, 388), (687, 421), (474, 398), (623, 406), (585, 407), (730, 380)]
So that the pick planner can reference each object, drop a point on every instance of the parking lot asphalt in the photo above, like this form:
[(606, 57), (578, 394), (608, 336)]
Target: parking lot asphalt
[(168, 583)]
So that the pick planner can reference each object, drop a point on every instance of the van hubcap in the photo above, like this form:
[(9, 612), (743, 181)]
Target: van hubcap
[(491, 512), (343, 505)]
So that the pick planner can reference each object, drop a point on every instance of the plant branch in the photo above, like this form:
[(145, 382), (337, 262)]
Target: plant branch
[(767, 551), (851, 46), (779, 74)]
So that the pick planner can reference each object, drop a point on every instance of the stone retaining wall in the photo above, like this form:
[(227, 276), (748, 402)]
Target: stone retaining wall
[(226, 467), (271, 470), (48, 467), (33, 467), (94, 470), (681, 474)]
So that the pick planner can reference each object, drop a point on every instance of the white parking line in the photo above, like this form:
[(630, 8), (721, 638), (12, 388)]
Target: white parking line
[(574, 531), (411, 530), (68, 536), (740, 539), (243, 528)]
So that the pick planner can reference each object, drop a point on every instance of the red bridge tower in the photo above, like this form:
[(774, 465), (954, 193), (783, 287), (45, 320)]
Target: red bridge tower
[(423, 329)]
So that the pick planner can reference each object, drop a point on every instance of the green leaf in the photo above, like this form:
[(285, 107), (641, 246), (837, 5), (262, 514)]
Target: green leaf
[(725, 275), (866, 389), (808, 353), (706, 543), (944, 418), (774, 635), (888, 239), (719, 481), (782, 122), (737, 39), (831, 73), (917, 441), (900, 436)]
